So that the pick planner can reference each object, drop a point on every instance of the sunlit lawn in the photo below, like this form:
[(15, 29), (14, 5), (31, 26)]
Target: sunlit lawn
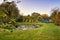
[(48, 31)]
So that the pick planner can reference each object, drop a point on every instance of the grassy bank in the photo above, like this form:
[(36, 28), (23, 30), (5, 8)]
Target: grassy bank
[(46, 32)]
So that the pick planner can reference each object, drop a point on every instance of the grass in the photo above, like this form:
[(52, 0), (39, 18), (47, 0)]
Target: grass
[(46, 32)]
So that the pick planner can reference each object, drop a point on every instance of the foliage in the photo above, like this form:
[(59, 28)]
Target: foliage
[(10, 19), (10, 9), (44, 15), (55, 16), (20, 19), (8, 26), (36, 16), (45, 18), (33, 18), (8, 14)]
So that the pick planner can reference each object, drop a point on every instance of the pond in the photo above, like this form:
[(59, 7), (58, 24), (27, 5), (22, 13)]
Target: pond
[(26, 27)]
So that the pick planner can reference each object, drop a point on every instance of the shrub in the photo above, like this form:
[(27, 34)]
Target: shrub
[(8, 26)]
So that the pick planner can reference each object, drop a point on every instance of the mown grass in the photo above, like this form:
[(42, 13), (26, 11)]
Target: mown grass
[(46, 32)]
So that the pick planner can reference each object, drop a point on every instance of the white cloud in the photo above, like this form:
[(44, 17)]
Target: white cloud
[(1, 1)]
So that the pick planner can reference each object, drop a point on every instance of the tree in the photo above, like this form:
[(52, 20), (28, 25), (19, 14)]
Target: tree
[(45, 18), (27, 18), (10, 10), (9, 13), (35, 16), (20, 19), (44, 15), (55, 16)]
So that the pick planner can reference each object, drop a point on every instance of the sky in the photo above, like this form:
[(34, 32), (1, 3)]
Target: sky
[(27, 7)]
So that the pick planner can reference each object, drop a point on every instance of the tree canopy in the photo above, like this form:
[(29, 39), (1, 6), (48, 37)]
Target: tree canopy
[(8, 13), (55, 16), (10, 9)]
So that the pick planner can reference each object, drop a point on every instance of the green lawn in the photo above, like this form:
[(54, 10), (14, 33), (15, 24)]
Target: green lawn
[(45, 32)]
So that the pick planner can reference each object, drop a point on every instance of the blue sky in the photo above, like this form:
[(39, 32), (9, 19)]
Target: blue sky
[(41, 6)]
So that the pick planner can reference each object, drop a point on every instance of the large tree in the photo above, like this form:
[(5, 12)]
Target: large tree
[(8, 14), (10, 11), (55, 16)]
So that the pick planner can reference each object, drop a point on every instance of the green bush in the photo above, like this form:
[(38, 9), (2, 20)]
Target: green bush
[(8, 26)]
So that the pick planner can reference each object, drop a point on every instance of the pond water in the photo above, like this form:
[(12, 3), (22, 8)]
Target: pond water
[(26, 27)]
